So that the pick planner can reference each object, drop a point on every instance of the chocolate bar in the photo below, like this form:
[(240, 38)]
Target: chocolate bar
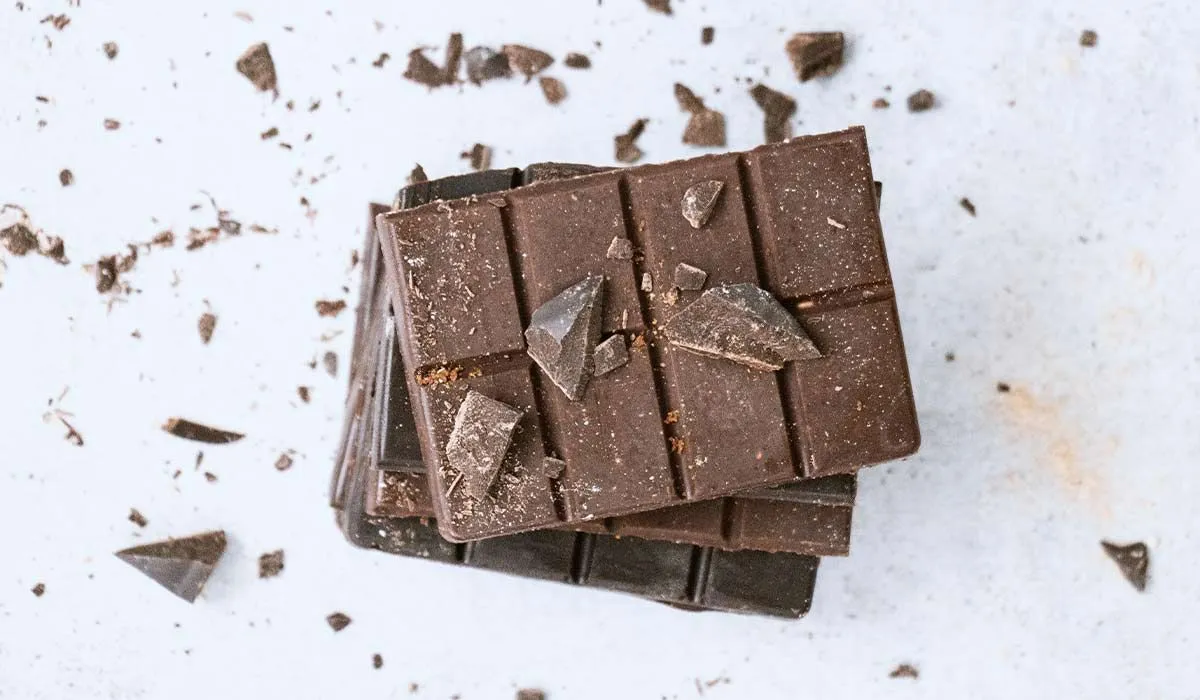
[(788, 363)]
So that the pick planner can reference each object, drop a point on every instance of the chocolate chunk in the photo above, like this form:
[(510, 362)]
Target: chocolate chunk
[(182, 566), (1003, 387), (816, 53), (968, 205), (270, 564), (706, 35), (777, 109), (744, 324), (626, 143), (422, 70), (562, 333), (484, 64), (66, 178), (383, 58), (577, 60), (905, 671), (689, 277), (1088, 38), (483, 429), (527, 61), (106, 273), (620, 249), (377, 661), (479, 155), (417, 175), (330, 361), (687, 99), (111, 49), (1132, 559), (258, 67), (610, 355), (552, 467), (553, 89), (206, 325), (338, 621), (706, 127), (38, 590), (921, 100), (186, 429), (700, 200), (136, 517), (327, 307)]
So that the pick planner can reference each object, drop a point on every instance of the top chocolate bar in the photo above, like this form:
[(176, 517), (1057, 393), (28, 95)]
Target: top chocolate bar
[(640, 338)]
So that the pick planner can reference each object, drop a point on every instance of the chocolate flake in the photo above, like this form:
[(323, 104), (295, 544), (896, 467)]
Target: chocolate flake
[(620, 249), (417, 175), (38, 590), (663, 6), (578, 61), (552, 467), (610, 355), (270, 564), (186, 429), (816, 53), (700, 200), (136, 517), (326, 308), (921, 100), (1088, 38), (66, 178), (626, 146), (689, 278), (258, 67), (777, 109), (377, 661), (968, 205), (484, 63), (284, 462), (330, 361), (562, 333), (338, 621), (553, 89), (744, 324), (527, 61), (182, 566), (206, 325), (1132, 559), (905, 671), (111, 49), (706, 35), (479, 155), (483, 430)]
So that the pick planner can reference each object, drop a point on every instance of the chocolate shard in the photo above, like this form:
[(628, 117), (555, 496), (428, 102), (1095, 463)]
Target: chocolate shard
[(562, 333), (610, 354), (483, 429), (552, 467), (258, 67), (338, 621), (553, 89), (182, 566), (816, 53), (687, 99), (1132, 559), (625, 144), (706, 129), (527, 61), (689, 277), (700, 200), (484, 63), (186, 429), (744, 324), (454, 52), (777, 109), (620, 249), (422, 70)]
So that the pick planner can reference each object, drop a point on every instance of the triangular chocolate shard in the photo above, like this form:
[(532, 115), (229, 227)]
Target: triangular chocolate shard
[(182, 566), (744, 324), (610, 355), (483, 430), (562, 333), (700, 200), (1132, 559)]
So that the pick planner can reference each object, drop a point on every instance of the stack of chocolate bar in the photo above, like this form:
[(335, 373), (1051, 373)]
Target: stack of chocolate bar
[(658, 380)]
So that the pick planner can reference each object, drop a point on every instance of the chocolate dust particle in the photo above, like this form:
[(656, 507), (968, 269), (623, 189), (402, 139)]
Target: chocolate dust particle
[(259, 68), (186, 429), (111, 49), (950, 357), (270, 564), (706, 127), (327, 308), (577, 60), (706, 35), (66, 178), (1132, 559), (1088, 38), (338, 621), (479, 155), (39, 589), (905, 671), (968, 205), (136, 517), (305, 393), (206, 325), (663, 6), (284, 462), (1003, 387), (921, 101), (553, 89), (377, 661), (625, 144), (330, 360)]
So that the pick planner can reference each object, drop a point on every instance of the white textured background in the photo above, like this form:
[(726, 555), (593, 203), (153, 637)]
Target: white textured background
[(977, 561)]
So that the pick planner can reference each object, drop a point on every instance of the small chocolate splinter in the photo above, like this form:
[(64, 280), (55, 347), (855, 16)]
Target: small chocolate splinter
[(186, 429), (689, 277), (620, 249), (1132, 559), (483, 430), (258, 67), (744, 324), (816, 53), (610, 354), (562, 333), (182, 566), (700, 200), (527, 61)]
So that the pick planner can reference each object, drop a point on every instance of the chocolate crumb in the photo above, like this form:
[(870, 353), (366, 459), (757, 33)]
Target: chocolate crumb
[(206, 325), (534, 693), (620, 249), (479, 155), (284, 462), (777, 109), (136, 517), (968, 205), (663, 6), (921, 101), (106, 273), (1132, 559), (383, 58), (269, 134), (672, 417), (625, 144), (881, 103), (527, 61), (66, 178), (330, 360), (186, 429), (377, 661), (338, 621), (259, 68), (326, 308), (816, 53), (210, 477), (111, 124), (706, 127), (270, 564), (553, 89), (304, 392), (678, 444), (39, 589), (647, 282), (484, 63), (1003, 387), (111, 49), (1088, 38), (706, 35), (417, 175), (905, 671), (950, 356), (577, 60)]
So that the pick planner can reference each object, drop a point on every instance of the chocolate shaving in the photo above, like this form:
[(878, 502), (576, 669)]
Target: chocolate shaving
[(921, 100), (479, 155), (269, 133), (186, 429), (881, 103), (327, 308), (527, 61), (816, 53), (625, 144), (270, 564), (534, 693), (578, 61), (552, 467), (1132, 559), (553, 89), (422, 70), (206, 325), (182, 566), (259, 68), (700, 200), (454, 51), (338, 621), (106, 273), (483, 430), (562, 333), (777, 109), (484, 63), (58, 21)]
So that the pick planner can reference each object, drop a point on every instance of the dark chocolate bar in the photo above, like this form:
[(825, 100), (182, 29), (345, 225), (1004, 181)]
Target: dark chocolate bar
[(504, 297)]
